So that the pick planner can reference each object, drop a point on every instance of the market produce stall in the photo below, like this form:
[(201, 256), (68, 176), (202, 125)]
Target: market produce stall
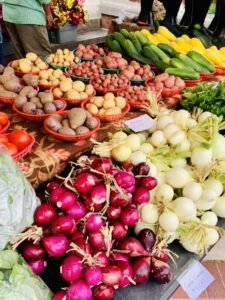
[(109, 219)]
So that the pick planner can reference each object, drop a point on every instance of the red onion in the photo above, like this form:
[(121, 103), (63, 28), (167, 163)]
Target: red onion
[(119, 230), (77, 211), (98, 194), (79, 290), (112, 275), (77, 235), (127, 273), (97, 240), (149, 182), (103, 165), (37, 266), (56, 245), (44, 214), (128, 167), (148, 238), (102, 259), (117, 200), (83, 245), (71, 268), (131, 189), (31, 251), (85, 182), (114, 213), (94, 222), (62, 224), (93, 276), (93, 207), (141, 270), (161, 255), (120, 256), (141, 169), (66, 200), (52, 186), (130, 216), (54, 195), (134, 247), (125, 180), (141, 195), (103, 292), (60, 295), (161, 272), (72, 230)]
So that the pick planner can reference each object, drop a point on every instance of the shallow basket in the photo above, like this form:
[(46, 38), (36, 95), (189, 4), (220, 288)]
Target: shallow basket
[(36, 118), (7, 100), (108, 119), (207, 76), (21, 74), (25, 151), (104, 91), (73, 101), (71, 138), (192, 82), (45, 87), (5, 128)]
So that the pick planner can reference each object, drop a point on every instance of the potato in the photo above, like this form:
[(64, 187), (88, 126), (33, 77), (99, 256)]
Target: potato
[(77, 117), (98, 101), (57, 117), (44, 74), (83, 95), (79, 86), (46, 97), (82, 130), (92, 108), (66, 85), (20, 101), (36, 101), (7, 94), (44, 82), (15, 65), (13, 86), (91, 122), (58, 104), (40, 111), (101, 111), (59, 51), (32, 93), (72, 94), (113, 111), (31, 56), (49, 108), (35, 69), (109, 96), (24, 61), (42, 65), (57, 73), (31, 80), (89, 89), (51, 78), (25, 90), (65, 123), (120, 102), (53, 123), (26, 68), (67, 131), (55, 82), (57, 92), (29, 108), (109, 103)]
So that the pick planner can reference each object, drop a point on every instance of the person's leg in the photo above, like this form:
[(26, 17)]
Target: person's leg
[(220, 28), (34, 39), (186, 19), (215, 20), (200, 11), (145, 16), (172, 8), (15, 40)]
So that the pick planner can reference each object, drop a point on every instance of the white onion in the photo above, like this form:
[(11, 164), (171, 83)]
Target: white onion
[(133, 142), (201, 157), (147, 148), (185, 145), (214, 184), (137, 157), (164, 193), (218, 147), (163, 121), (177, 138), (179, 163), (169, 221), (149, 213), (180, 117), (178, 177), (209, 195), (203, 116), (170, 129), (184, 207), (120, 135), (190, 123), (141, 225), (212, 236), (154, 126), (209, 218), (158, 138), (121, 153), (153, 169), (193, 190), (204, 205), (142, 137), (219, 207)]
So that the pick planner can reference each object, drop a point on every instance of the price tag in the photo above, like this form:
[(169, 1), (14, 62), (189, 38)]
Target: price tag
[(195, 280), (141, 123)]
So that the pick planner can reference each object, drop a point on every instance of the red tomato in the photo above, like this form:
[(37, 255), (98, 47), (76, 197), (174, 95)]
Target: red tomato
[(1, 127), (11, 148), (3, 118), (20, 138), (3, 139)]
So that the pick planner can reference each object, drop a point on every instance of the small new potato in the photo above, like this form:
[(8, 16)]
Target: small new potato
[(109, 103), (82, 130), (53, 123), (25, 68), (109, 96), (34, 69), (66, 85), (29, 108), (79, 86), (83, 95), (89, 89), (120, 102), (72, 94), (113, 111), (98, 101), (44, 74), (31, 56), (46, 97), (67, 131), (49, 108), (101, 111), (41, 65), (58, 104), (91, 123), (44, 82), (57, 92), (20, 101), (92, 108)]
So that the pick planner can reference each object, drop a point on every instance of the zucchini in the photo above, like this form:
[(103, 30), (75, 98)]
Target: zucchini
[(113, 45), (195, 66), (132, 53), (162, 66), (177, 63), (161, 54), (142, 39), (125, 33), (136, 42), (168, 49), (119, 38), (150, 54), (183, 73), (204, 39), (197, 57)]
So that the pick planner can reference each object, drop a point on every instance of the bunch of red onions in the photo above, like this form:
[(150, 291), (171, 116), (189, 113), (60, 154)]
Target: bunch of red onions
[(89, 230)]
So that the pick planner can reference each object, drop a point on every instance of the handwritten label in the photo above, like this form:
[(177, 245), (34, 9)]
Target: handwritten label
[(195, 280), (141, 123)]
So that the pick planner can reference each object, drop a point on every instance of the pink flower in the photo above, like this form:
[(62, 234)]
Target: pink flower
[(81, 2)]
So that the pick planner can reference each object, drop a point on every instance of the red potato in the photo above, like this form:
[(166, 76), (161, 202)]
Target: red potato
[(89, 51), (180, 83), (111, 81), (161, 77)]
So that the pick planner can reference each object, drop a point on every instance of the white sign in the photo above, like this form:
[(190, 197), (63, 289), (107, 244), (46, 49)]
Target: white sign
[(141, 123)]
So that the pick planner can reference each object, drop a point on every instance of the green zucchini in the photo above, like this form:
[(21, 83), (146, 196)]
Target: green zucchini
[(177, 63), (203, 38), (113, 45), (132, 53), (162, 66), (119, 38), (197, 57), (125, 33), (161, 54), (183, 73), (136, 42), (150, 54), (168, 49), (142, 39), (194, 65)]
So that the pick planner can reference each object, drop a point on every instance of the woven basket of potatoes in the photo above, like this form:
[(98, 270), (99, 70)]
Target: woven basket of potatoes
[(72, 125), (51, 78), (107, 108), (31, 64), (73, 92), (36, 106), (61, 59)]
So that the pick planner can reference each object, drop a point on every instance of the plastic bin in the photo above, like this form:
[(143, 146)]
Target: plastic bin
[(65, 34)]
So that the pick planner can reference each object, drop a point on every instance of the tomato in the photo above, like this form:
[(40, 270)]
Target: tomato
[(3, 139), (20, 138), (11, 148), (3, 118), (1, 127)]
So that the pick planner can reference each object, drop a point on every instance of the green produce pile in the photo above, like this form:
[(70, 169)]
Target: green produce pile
[(17, 281), (207, 96)]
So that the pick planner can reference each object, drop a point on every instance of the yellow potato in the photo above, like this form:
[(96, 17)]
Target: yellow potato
[(25, 61), (66, 51), (35, 69), (31, 56), (89, 89), (72, 94), (66, 64), (113, 111), (109, 96), (79, 86), (120, 102), (57, 92), (83, 95), (50, 71), (57, 73), (55, 60), (42, 65), (44, 82), (59, 51), (98, 101), (15, 64), (51, 78), (44, 74), (38, 61), (24, 67), (109, 103), (101, 111), (55, 82), (92, 108), (66, 85)]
